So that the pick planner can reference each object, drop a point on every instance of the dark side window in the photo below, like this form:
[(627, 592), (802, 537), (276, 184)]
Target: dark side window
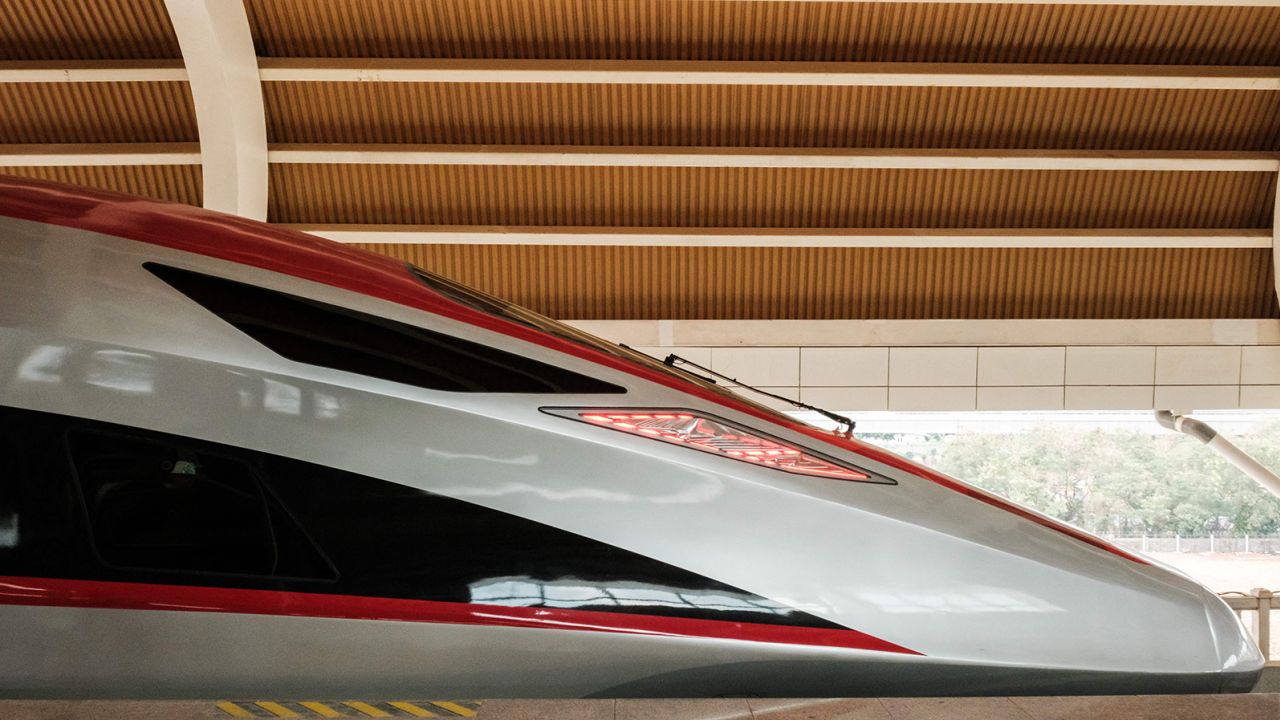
[(41, 532), (165, 504), (92, 500), (329, 336)]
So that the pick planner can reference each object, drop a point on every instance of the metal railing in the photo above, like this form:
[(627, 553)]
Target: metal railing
[(1209, 543), (1255, 608)]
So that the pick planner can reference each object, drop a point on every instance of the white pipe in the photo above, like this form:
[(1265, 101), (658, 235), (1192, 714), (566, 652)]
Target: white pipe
[(1247, 464), (1232, 454)]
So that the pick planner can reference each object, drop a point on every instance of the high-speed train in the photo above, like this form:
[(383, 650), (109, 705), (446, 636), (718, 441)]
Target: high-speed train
[(238, 459)]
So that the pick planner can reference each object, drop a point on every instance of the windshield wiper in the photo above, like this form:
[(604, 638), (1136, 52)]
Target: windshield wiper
[(646, 356), (672, 360)]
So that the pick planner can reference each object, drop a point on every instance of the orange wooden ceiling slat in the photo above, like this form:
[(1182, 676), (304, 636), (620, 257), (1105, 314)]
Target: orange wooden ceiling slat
[(626, 283)]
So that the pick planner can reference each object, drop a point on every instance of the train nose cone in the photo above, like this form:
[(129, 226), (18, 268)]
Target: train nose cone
[(1238, 655)]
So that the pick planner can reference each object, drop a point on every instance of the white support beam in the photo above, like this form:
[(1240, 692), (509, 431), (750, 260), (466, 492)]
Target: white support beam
[(222, 67), (1275, 238), (705, 72), (17, 155), (63, 71), (672, 72), (655, 156), (100, 154), (792, 237)]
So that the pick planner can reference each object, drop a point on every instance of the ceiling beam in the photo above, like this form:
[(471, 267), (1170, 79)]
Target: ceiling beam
[(222, 68), (100, 154), (18, 155), (60, 71), (792, 237), (651, 156), (706, 72), (670, 72)]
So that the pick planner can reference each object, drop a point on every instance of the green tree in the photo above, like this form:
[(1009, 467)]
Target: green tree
[(1111, 481)]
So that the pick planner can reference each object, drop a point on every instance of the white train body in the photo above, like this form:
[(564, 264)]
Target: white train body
[(242, 460)]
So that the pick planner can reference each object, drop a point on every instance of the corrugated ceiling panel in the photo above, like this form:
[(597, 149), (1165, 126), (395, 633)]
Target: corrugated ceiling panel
[(766, 197), (179, 183), (701, 29), (96, 112), (860, 283), (85, 30), (771, 116)]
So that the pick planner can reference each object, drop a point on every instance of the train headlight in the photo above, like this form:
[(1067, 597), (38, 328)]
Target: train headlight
[(719, 437)]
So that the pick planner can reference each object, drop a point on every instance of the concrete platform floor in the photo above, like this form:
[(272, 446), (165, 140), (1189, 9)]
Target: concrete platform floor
[(1255, 706)]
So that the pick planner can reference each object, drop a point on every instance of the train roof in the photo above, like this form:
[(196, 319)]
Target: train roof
[(214, 234)]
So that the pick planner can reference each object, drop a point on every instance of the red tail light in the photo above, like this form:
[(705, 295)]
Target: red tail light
[(716, 436)]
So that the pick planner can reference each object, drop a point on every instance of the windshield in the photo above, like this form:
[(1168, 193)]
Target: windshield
[(491, 305)]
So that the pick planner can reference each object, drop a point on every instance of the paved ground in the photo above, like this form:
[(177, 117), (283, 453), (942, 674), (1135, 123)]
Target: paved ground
[(1239, 707), (1262, 704), (1226, 572), (1167, 707)]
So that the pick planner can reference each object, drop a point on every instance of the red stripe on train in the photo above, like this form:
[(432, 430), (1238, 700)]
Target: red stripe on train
[(46, 592), (249, 242)]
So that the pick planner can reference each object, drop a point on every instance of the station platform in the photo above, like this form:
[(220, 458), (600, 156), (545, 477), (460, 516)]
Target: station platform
[(1253, 706), (1262, 704)]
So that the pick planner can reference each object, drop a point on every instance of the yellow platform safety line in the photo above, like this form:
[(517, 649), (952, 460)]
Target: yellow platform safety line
[(276, 708), (320, 708), (410, 708), (234, 710), (454, 708), (367, 709)]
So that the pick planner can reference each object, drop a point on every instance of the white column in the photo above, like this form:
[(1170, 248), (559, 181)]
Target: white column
[(222, 68), (1275, 238)]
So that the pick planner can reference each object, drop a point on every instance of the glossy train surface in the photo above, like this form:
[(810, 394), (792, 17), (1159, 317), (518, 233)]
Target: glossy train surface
[(239, 460)]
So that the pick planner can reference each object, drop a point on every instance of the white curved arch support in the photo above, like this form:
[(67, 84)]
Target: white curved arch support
[(1275, 239), (222, 68)]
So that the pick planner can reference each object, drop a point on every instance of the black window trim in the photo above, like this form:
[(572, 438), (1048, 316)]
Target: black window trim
[(553, 380)]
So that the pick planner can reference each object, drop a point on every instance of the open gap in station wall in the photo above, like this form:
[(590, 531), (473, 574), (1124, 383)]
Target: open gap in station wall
[(1118, 474)]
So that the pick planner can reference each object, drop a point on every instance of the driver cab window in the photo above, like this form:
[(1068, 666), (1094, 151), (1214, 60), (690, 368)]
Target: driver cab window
[(175, 506)]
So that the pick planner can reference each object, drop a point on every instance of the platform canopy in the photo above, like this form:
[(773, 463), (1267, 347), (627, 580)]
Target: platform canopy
[(1023, 175)]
